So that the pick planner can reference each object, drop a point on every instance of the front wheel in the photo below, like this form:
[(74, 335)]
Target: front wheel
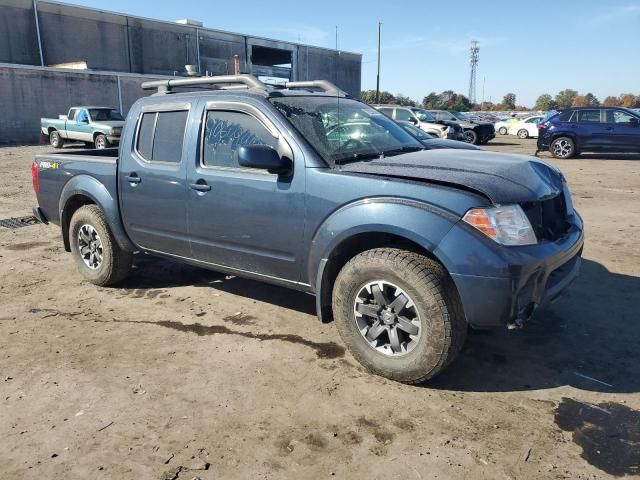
[(56, 140), (470, 136), (96, 253), (101, 142), (399, 314), (523, 133), (563, 147), (503, 130)]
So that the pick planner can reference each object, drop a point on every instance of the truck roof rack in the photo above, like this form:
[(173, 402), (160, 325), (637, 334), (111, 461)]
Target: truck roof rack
[(223, 81), (236, 82)]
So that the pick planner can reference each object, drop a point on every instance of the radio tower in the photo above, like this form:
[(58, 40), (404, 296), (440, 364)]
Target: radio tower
[(473, 62)]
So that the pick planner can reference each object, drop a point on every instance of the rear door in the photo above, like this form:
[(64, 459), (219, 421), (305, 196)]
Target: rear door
[(152, 180), (623, 130), (590, 130), (243, 218)]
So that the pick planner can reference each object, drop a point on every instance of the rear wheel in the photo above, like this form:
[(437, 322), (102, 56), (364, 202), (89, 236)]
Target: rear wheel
[(96, 253), (55, 139), (101, 142), (399, 314), (470, 136), (563, 147), (523, 133)]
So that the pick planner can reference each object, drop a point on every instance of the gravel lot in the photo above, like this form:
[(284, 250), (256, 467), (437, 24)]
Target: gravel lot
[(182, 368)]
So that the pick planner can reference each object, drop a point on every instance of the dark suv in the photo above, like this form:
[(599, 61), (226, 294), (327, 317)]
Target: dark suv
[(576, 130), (475, 132)]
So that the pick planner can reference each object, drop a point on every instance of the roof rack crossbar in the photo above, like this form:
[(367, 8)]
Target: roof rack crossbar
[(233, 81), (323, 85)]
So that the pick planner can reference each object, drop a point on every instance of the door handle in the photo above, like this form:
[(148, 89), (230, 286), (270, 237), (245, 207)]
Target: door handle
[(200, 187), (133, 178)]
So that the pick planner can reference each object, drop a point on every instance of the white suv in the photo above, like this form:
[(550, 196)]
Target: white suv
[(423, 120)]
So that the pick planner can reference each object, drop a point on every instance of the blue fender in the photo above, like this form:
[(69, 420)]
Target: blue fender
[(100, 195), (422, 223)]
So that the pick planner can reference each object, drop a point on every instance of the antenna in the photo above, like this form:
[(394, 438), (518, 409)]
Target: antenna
[(473, 62)]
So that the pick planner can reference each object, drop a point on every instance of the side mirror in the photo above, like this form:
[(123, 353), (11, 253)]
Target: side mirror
[(414, 120), (263, 157)]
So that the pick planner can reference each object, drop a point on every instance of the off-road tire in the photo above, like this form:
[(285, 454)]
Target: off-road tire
[(470, 136), (101, 142), (55, 139), (558, 152), (116, 262), (442, 323)]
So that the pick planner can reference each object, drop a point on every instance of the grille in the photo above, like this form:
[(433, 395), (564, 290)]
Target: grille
[(548, 218), (18, 222)]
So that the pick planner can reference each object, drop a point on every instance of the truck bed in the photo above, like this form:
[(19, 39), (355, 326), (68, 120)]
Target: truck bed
[(59, 172)]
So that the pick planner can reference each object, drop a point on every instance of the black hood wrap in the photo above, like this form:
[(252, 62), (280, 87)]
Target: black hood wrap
[(502, 178)]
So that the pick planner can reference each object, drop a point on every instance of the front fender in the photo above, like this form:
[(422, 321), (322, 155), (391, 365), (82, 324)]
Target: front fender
[(88, 186), (420, 222)]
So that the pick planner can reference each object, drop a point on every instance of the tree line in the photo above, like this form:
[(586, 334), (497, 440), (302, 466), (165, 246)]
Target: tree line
[(449, 100)]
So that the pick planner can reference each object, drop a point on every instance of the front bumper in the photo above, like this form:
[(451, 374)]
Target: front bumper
[(113, 140), (520, 279)]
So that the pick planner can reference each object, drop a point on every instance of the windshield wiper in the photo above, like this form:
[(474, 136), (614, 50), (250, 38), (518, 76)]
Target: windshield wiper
[(356, 157), (398, 151)]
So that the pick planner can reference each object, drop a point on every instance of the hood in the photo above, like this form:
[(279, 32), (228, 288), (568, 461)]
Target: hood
[(109, 123), (502, 178), (434, 143)]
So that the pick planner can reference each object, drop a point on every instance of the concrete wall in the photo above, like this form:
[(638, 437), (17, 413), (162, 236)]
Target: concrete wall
[(30, 93), (122, 43)]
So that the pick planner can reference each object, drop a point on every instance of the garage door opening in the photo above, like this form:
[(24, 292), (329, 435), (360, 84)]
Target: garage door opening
[(270, 62)]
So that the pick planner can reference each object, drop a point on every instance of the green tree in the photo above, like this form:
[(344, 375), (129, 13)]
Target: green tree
[(510, 101), (544, 103), (592, 100), (564, 99), (369, 96), (404, 101), (430, 101)]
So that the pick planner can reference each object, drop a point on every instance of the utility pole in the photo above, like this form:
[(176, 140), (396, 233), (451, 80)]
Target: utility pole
[(473, 63), (378, 78)]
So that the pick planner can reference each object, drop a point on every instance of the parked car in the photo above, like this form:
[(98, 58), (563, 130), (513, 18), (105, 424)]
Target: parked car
[(477, 133), (502, 127), (403, 247), (433, 143), (99, 127), (526, 128), (423, 120), (589, 129)]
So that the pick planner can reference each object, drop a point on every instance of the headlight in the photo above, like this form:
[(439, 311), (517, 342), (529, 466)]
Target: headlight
[(116, 131), (507, 225)]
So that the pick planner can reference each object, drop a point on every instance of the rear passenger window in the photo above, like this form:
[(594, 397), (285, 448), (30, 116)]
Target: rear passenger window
[(387, 111), (161, 136), (226, 131), (589, 116), (566, 116)]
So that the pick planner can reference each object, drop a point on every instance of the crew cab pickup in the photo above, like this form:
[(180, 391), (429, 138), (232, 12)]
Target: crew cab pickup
[(403, 246), (99, 127)]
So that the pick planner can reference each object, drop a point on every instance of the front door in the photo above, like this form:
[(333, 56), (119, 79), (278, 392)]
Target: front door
[(79, 128), (152, 181), (242, 218), (623, 130)]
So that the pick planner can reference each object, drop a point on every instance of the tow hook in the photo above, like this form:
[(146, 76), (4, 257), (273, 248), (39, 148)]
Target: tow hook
[(524, 315)]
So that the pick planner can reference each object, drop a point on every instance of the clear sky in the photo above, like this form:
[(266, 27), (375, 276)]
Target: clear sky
[(527, 48)]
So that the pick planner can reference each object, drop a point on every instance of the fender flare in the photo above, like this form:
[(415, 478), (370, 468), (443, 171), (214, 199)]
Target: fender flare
[(89, 187), (421, 223)]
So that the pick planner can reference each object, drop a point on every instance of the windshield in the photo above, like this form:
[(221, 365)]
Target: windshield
[(104, 114), (341, 129), (423, 115), (460, 116)]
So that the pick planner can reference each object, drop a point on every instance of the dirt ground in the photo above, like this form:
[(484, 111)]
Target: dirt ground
[(182, 369)]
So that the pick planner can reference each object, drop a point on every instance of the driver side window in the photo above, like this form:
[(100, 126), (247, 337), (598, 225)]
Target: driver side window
[(402, 114)]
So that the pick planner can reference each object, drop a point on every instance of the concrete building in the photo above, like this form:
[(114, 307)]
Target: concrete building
[(120, 51)]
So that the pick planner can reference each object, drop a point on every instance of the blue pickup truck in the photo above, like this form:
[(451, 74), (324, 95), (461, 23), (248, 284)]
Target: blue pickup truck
[(403, 246)]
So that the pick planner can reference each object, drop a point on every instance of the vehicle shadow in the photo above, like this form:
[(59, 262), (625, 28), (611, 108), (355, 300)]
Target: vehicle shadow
[(151, 272), (588, 339)]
